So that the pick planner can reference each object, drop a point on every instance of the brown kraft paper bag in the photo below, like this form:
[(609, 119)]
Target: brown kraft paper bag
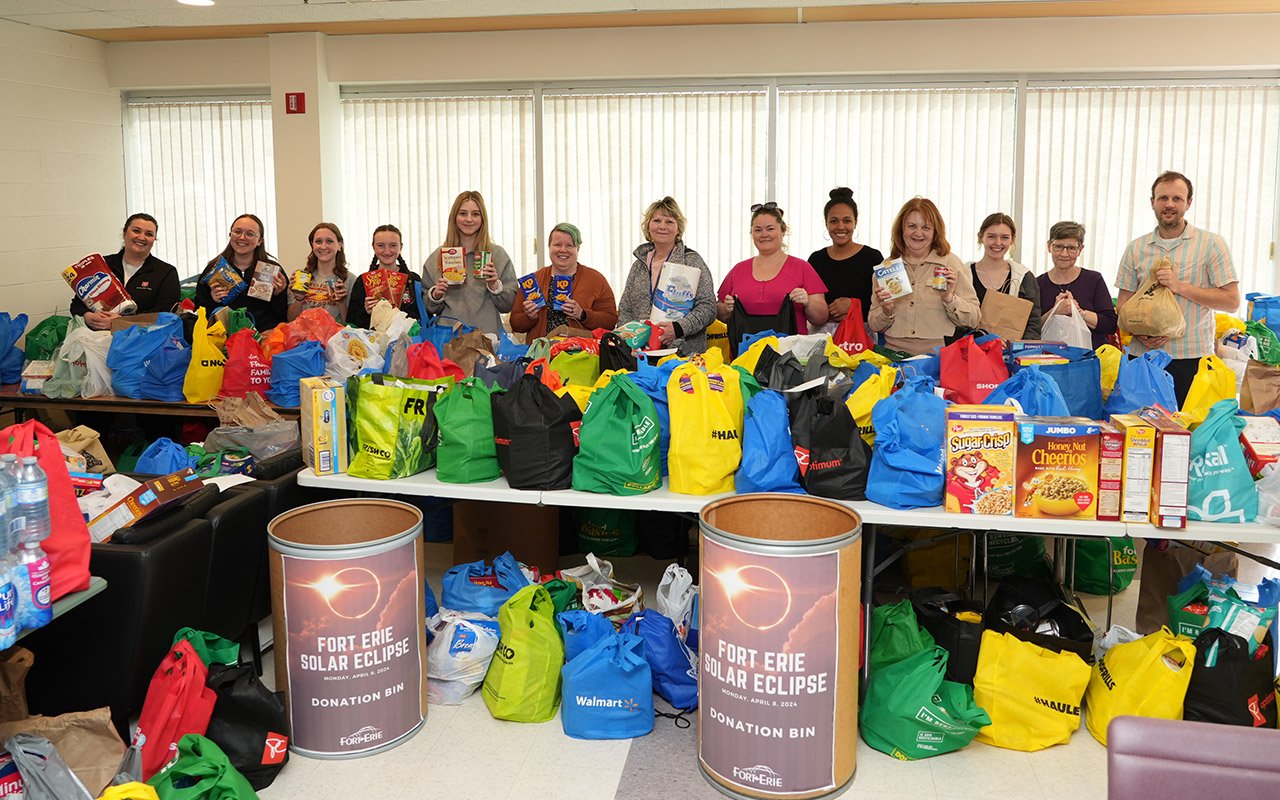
[(86, 740), (467, 349), (15, 663), (1153, 311), (1005, 315), (1260, 388), (1161, 571), (88, 443)]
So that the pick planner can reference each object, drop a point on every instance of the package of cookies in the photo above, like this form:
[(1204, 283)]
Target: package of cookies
[(981, 446), (1057, 468)]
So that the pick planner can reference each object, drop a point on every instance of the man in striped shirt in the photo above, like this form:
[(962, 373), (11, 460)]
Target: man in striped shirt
[(1201, 278)]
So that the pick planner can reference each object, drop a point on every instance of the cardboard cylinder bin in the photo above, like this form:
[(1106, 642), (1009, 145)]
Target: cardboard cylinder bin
[(778, 648), (350, 624)]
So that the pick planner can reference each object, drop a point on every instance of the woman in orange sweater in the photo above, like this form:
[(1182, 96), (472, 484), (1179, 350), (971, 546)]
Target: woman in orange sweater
[(591, 304)]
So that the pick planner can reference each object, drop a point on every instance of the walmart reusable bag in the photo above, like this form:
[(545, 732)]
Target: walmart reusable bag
[(466, 453), (523, 681), (675, 671), (608, 690), (581, 629), (618, 442), (911, 712), (1220, 487)]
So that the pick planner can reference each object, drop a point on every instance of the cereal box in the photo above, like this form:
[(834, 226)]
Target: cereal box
[(1170, 469), (1110, 472), (1261, 442), (892, 276), (561, 290), (323, 414), (453, 265), (1057, 468), (529, 286), (1139, 455), (981, 445)]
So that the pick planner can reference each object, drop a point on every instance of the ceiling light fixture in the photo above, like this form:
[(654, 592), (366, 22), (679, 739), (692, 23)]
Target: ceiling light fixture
[(196, 2)]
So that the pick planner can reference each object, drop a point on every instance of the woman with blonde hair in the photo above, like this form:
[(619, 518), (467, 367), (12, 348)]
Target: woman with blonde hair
[(489, 285)]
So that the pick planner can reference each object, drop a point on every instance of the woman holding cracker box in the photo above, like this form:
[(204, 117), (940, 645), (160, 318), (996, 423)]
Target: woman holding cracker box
[(380, 281), (679, 298), (150, 282), (325, 282), (937, 295), (470, 278), (564, 293), (763, 283), (237, 277)]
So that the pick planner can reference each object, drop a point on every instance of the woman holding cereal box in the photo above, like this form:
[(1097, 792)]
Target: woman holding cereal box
[(564, 293), (469, 277), (378, 283), (939, 294)]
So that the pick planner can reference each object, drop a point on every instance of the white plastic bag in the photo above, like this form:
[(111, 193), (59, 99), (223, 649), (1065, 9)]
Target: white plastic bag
[(675, 597), (601, 593), (1235, 349), (677, 287), (1070, 328), (352, 349), (1117, 635), (390, 321), (804, 346), (458, 657), (92, 346), (1269, 496)]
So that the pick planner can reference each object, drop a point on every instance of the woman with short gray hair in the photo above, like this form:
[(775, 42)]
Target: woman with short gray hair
[(1067, 284)]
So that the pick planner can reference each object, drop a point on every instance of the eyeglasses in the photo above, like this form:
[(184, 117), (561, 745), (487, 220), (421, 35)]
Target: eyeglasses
[(1058, 247), (769, 206), (241, 233)]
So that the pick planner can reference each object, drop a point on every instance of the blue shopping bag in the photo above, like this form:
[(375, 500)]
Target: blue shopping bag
[(653, 382), (580, 630), (1036, 394), (164, 456), (166, 372), (132, 349), (750, 338), (11, 358), (768, 456), (1079, 380), (1265, 307), (928, 365), (608, 690), (1142, 381), (442, 330), (287, 368), (1220, 487), (907, 460), (675, 671), (477, 586), (509, 349)]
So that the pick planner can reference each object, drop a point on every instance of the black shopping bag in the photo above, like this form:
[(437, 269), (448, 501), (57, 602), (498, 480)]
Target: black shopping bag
[(741, 323), (1036, 611), (248, 723), (937, 609), (615, 353), (535, 435), (1237, 689), (833, 457), (778, 372)]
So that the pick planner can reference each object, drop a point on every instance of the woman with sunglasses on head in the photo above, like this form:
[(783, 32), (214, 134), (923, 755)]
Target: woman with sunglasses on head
[(590, 305), (1067, 284), (152, 283), (845, 266), (763, 283), (245, 252), (485, 293), (996, 272), (328, 283), (386, 256)]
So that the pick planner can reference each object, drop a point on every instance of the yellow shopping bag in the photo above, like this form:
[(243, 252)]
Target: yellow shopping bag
[(747, 360), (864, 399), (718, 337), (841, 359), (208, 360), (1031, 694), (1226, 323), (1110, 356), (129, 791), (582, 394), (1214, 381), (705, 404), (1144, 678)]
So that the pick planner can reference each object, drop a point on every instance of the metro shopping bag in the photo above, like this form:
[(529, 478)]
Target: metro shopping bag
[(177, 703), (132, 349), (1220, 487), (608, 690), (906, 463), (249, 723), (971, 367), (523, 681), (618, 442), (479, 587), (534, 433), (291, 366), (1214, 381), (45, 336), (1229, 686), (911, 712), (832, 456), (706, 428), (203, 380), (768, 457), (201, 772), (896, 634), (245, 370), (851, 334), (396, 427), (166, 372), (466, 453), (580, 630), (1031, 694), (163, 457), (1145, 678), (1142, 381), (674, 666), (1089, 567), (1032, 391)]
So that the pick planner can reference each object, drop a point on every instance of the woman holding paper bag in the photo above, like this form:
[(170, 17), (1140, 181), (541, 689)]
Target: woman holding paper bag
[(479, 284), (1066, 284), (995, 272), (387, 261), (669, 283), (588, 304), (227, 278), (918, 319), (152, 283)]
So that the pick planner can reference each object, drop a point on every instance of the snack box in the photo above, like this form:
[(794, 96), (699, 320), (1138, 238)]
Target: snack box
[(1042, 359), (34, 374), (225, 276), (1057, 472), (300, 281), (529, 286), (892, 276), (981, 447), (1260, 440), (453, 265), (144, 501), (1171, 469), (97, 286), (1110, 472), (262, 287), (1139, 456), (85, 482), (323, 415), (561, 290)]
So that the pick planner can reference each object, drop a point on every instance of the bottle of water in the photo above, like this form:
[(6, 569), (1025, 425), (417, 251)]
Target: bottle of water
[(8, 592), (31, 510)]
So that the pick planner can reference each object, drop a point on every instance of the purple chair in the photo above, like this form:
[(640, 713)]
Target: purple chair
[(1158, 759)]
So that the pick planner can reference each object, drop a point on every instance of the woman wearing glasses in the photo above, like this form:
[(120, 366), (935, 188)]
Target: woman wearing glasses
[(996, 272), (763, 283), (1066, 281), (246, 253)]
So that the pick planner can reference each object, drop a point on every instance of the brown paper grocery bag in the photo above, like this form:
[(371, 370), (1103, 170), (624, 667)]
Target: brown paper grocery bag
[(467, 349), (1161, 571), (86, 740), (1005, 315), (1260, 388), (88, 443), (15, 663)]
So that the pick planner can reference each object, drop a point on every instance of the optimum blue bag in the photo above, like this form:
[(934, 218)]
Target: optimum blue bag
[(907, 460), (1220, 487), (166, 372), (1265, 307), (477, 586), (768, 457), (580, 630), (287, 368), (164, 456), (132, 349), (11, 358), (1142, 381), (1036, 393), (653, 382), (608, 690), (674, 666)]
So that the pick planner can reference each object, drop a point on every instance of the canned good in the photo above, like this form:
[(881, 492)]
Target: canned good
[(939, 281)]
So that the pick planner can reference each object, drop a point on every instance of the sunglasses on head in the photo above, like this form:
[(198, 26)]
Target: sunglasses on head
[(769, 206)]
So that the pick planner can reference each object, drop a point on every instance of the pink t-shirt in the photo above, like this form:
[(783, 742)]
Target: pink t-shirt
[(766, 298)]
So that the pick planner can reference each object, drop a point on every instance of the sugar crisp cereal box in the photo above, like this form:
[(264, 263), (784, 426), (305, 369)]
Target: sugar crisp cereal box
[(981, 444)]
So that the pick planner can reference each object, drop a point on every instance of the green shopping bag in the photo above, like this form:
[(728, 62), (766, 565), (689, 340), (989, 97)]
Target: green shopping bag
[(607, 531), (1189, 610), (538, 348), (577, 369), (201, 772), (523, 681), (911, 712), (395, 422), (212, 648), (466, 453), (1268, 343), (564, 595), (1220, 487), (1090, 566), (239, 319), (1015, 554), (45, 336), (896, 634), (618, 442)]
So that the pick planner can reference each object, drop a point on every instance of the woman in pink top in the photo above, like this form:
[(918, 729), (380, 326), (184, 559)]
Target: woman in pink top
[(761, 284)]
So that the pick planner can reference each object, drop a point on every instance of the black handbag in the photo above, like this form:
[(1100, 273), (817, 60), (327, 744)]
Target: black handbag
[(834, 458), (741, 323), (936, 609), (1238, 688), (1036, 611), (778, 372), (249, 723), (533, 435)]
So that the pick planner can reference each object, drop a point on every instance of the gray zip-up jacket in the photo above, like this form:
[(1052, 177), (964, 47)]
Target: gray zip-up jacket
[(636, 302)]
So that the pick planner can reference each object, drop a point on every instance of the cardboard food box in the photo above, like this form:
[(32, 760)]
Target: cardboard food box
[(1139, 455), (1110, 472), (34, 374), (144, 501), (120, 323), (980, 456), (892, 277), (561, 290), (453, 265), (1057, 473), (529, 286), (1171, 469), (1260, 440), (485, 530), (323, 414)]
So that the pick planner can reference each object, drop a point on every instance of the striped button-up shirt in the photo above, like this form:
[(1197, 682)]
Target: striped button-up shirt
[(1200, 258)]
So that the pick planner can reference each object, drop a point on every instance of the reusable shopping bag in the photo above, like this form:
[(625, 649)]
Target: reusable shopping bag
[(440, 331), (80, 364), (466, 453), (971, 367), (163, 457), (618, 442), (426, 363), (132, 790), (523, 681), (706, 427), (606, 531), (1228, 685), (88, 443), (1145, 678), (1220, 487), (608, 690), (1268, 342), (851, 334), (479, 587), (1152, 310), (907, 464), (508, 349), (580, 368), (564, 594), (132, 349), (166, 372), (955, 625), (674, 666), (581, 629), (288, 368), (653, 381), (1079, 380), (1259, 389), (911, 712), (45, 776), (1032, 391), (1214, 381), (534, 432), (45, 336), (778, 372), (1142, 381), (203, 380), (741, 324), (863, 399), (616, 354), (201, 772), (248, 723), (458, 656), (395, 424), (832, 456), (1032, 695), (768, 457), (718, 337), (1014, 554), (1020, 605), (896, 634), (11, 358), (245, 370), (177, 703), (1110, 357), (212, 648), (1069, 328), (1264, 308), (1089, 569), (748, 357)]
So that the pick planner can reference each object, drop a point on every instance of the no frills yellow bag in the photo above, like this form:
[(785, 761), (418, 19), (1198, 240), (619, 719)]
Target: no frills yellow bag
[(705, 402), (203, 380), (864, 399), (1143, 678), (1110, 357), (1214, 381), (718, 337), (1031, 694)]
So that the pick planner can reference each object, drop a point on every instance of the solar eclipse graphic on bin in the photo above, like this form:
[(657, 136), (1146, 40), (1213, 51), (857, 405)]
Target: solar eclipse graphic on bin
[(350, 593), (753, 591)]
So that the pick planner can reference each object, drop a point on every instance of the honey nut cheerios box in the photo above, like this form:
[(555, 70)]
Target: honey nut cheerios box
[(1057, 468), (980, 454)]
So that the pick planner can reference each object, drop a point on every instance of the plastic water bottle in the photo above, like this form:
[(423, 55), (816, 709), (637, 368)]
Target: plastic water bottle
[(31, 512), (8, 592)]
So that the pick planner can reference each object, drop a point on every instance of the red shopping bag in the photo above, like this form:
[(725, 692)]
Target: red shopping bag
[(177, 703), (246, 370), (425, 363), (546, 375), (851, 335), (971, 368), (68, 542)]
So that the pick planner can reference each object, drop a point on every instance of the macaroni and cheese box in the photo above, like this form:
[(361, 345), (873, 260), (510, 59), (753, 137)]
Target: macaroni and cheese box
[(1139, 455), (1057, 468), (892, 276), (323, 414), (453, 265), (1170, 470), (981, 448), (561, 290), (1110, 472), (529, 286), (147, 499)]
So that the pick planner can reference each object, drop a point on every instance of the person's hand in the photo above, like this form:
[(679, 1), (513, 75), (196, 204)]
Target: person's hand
[(1064, 308), (666, 333), (531, 308), (949, 293), (438, 291), (278, 283), (340, 291), (573, 310), (219, 293), (798, 295), (728, 302), (886, 300), (490, 276), (838, 309), (1152, 342), (1169, 279), (369, 303), (99, 320)]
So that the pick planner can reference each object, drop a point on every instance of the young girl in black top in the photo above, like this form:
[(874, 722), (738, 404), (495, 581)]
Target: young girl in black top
[(386, 255)]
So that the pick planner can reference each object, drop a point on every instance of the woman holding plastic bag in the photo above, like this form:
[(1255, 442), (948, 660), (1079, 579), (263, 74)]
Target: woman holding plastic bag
[(668, 282), (242, 265), (845, 266), (1068, 289)]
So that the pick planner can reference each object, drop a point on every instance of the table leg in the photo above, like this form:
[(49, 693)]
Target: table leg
[(868, 596)]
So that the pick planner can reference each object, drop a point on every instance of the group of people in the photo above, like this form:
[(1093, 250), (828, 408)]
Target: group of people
[(773, 287)]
